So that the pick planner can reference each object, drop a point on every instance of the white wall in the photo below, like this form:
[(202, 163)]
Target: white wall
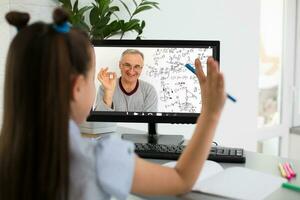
[(296, 114), (234, 22), (294, 149), (38, 9)]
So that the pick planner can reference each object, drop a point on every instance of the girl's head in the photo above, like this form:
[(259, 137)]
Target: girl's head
[(49, 79), (45, 61)]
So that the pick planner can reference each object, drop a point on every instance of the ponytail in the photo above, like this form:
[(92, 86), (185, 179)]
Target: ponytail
[(34, 139)]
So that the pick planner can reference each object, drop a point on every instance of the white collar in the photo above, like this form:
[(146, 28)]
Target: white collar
[(74, 130)]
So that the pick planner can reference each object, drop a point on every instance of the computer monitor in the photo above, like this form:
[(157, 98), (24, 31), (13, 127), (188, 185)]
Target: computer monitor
[(174, 90)]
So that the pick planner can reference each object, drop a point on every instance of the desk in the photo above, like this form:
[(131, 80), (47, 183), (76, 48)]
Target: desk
[(256, 161)]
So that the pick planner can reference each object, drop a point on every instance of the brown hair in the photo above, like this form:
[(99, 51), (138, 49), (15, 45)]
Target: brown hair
[(34, 142)]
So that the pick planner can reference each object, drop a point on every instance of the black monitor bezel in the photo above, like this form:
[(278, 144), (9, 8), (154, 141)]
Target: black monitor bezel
[(186, 118)]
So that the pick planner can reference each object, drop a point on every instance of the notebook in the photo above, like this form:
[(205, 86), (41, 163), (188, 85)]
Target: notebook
[(234, 182)]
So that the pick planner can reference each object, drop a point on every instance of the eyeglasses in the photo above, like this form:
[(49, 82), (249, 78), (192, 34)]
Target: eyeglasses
[(128, 66)]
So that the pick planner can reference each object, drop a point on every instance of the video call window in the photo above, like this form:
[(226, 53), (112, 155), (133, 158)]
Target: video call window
[(164, 85)]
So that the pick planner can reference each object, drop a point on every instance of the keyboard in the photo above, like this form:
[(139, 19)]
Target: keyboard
[(172, 152)]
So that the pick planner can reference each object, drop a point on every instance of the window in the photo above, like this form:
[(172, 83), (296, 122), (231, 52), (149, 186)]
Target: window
[(270, 66)]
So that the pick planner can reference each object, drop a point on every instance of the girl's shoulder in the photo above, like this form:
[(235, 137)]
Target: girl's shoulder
[(115, 165), (107, 162)]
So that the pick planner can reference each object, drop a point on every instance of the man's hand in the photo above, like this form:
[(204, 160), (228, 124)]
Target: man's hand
[(108, 81)]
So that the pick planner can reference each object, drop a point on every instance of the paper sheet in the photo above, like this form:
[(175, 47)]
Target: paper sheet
[(235, 182), (241, 183)]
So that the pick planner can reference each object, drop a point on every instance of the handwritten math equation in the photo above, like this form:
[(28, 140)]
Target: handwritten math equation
[(178, 89)]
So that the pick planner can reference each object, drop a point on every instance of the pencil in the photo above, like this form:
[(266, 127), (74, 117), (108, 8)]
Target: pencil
[(282, 172), (287, 165), (291, 167), (291, 186), (288, 175)]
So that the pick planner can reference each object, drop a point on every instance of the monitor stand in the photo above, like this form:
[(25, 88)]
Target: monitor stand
[(153, 138)]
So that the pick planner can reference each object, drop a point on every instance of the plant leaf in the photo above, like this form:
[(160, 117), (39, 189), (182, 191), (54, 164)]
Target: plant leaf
[(94, 18), (126, 7), (82, 10), (140, 9), (151, 3), (113, 9), (130, 25), (137, 29), (143, 24), (104, 21), (111, 29), (97, 33), (103, 6), (75, 7), (136, 5), (122, 24), (101, 26)]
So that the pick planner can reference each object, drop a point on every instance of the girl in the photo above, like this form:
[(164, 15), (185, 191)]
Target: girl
[(49, 89)]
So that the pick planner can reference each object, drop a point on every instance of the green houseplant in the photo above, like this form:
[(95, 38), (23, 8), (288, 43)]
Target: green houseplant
[(103, 21)]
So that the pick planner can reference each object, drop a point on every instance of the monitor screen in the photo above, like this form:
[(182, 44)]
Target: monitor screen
[(147, 80)]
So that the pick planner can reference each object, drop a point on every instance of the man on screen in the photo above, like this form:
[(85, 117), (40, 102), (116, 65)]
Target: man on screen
[(126, 93)]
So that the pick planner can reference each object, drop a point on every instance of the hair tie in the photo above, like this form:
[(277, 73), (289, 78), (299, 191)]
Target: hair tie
[(62, 28)]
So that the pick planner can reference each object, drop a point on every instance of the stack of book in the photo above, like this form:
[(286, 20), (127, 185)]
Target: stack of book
[(97, 127)]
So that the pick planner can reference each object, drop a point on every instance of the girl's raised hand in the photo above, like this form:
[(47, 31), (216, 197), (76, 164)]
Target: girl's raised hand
[(212, 87)]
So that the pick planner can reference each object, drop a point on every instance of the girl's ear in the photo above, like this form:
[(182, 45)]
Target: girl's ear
[(77, 87)]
